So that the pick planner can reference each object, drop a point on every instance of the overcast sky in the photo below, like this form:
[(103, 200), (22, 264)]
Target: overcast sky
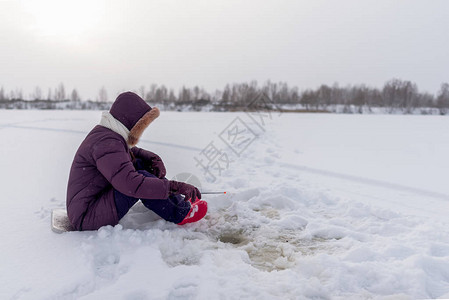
[(121, 45)]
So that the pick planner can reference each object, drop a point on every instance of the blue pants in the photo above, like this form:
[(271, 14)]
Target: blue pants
[(174, 209)]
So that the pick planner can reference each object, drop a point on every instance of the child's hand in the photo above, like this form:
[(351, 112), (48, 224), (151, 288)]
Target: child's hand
[(158, 168), (189, 191)]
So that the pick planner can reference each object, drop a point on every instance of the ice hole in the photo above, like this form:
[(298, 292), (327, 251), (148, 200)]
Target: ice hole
[(234, 238)]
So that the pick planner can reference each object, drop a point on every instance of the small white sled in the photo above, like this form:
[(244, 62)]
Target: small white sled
[(60, 221)]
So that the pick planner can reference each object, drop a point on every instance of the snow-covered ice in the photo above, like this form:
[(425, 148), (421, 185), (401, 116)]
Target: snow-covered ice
[(319, 206)]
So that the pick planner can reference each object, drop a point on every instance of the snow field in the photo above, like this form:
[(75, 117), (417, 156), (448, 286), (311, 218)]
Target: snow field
[(317, 208)]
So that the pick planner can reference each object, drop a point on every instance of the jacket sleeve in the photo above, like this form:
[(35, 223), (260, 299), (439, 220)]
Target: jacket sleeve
[(114, 163)]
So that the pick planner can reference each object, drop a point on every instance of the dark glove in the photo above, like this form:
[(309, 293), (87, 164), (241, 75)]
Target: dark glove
[(157, 167), (189, 191)]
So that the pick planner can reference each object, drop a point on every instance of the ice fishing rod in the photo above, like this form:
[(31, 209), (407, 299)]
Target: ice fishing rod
[(212, 193)]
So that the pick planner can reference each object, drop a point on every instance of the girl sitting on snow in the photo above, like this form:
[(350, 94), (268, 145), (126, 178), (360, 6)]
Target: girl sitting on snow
[(109, 174)]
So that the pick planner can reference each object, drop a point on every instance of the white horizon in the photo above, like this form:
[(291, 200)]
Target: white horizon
[(120, 45)]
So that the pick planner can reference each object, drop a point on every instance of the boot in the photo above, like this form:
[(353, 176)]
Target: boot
[(197, 211)]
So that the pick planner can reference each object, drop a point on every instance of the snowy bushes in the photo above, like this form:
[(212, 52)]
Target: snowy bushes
[(396, 96)]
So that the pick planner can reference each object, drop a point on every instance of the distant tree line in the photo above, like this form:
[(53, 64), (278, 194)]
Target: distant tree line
[(396, 96)]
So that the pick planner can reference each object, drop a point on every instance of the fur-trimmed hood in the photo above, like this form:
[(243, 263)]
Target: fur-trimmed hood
[(129, 116), (136, 132)]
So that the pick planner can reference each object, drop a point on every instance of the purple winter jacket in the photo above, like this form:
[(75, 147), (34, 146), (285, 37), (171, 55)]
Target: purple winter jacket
[(103, 163)]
